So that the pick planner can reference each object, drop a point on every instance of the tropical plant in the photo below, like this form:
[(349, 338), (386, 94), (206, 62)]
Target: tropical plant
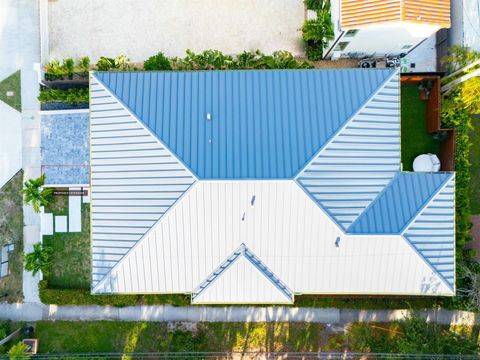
[(157, 62), (18, 351), (315, 4), (105, 64), (39, 259), (35, 195), (318, 32), (458, 57), (121, 63), (83, 66)]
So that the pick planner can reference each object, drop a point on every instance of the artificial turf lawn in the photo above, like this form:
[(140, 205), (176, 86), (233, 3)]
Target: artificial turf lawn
[(109, 336), (71, 265), (11, 83), (475, 167), (415, 138)]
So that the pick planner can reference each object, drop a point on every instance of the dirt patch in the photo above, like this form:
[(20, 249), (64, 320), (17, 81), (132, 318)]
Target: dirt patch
[(336, 64)]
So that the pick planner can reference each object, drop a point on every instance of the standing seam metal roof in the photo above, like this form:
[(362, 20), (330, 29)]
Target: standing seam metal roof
[(356, 199), (264, 124)]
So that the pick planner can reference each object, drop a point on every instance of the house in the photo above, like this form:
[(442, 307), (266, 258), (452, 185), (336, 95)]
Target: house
[(256, 186), (366, 28)]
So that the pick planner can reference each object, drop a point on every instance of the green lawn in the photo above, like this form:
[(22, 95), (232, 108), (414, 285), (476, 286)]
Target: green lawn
[(108, 336), (413, 335), (11, 83), (71, 251), (11, 231), (415, 138), (475, 167)]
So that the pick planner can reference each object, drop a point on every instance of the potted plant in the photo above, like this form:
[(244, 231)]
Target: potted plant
[(425, 87)]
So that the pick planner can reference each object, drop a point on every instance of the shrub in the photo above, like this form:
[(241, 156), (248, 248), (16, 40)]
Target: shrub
[(56, 71), (70, 95), (157, 62), (39, 259)]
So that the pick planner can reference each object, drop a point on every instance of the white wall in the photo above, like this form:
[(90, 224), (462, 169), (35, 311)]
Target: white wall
[(377, 40), (465, 30)]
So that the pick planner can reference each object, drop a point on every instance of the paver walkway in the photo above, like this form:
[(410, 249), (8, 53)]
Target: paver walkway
[(28, 39), (35, 312)]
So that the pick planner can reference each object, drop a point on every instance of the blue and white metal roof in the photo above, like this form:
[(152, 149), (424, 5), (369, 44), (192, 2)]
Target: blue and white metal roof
[(281, 182)]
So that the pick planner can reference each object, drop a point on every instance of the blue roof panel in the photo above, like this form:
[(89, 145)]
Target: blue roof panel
[(264, 124), (399, 203)]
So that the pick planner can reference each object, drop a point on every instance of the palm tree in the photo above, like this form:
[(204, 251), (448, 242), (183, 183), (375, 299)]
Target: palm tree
[(39, 259), (35, 195)]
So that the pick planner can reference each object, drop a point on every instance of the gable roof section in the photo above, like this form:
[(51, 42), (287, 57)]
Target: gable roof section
[(264, 124), (135, 180), (432, 233), (358, 13), (242, 279), (399, 203), (359, 161)]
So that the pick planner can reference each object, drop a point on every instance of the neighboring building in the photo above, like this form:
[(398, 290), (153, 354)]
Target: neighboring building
[(465, 29), (255, 186), (377, 28)]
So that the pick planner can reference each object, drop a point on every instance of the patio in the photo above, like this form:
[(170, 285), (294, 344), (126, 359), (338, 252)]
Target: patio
[(65, 147)]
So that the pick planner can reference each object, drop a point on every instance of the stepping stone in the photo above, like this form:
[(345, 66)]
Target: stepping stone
[(74, 212), (46, 224), (60, 223)]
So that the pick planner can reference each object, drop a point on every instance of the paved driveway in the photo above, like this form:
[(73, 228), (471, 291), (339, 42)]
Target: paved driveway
[(141, 28)]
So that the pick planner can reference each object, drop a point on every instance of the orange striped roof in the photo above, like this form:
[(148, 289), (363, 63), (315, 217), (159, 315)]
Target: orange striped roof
[(358, 13)]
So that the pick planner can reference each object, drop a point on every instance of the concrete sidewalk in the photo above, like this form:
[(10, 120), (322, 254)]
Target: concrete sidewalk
[(35, 312)]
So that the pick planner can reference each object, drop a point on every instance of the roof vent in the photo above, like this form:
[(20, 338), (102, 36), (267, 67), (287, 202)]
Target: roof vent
[(337, 242), (209, 116), (252, 202)]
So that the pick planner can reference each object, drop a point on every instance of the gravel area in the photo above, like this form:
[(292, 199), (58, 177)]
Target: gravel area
[(140, 29)]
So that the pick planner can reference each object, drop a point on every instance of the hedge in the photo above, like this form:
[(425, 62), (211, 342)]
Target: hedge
[(70, 95), (84, 297)]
